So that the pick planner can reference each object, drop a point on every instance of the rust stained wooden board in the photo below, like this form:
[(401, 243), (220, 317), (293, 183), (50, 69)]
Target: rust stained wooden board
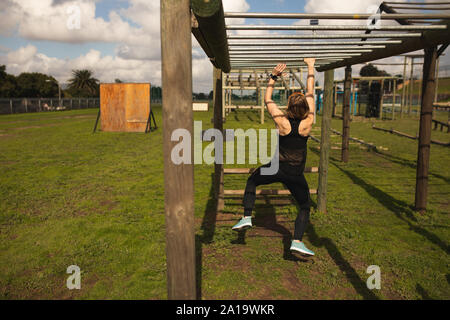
[(124, 106)]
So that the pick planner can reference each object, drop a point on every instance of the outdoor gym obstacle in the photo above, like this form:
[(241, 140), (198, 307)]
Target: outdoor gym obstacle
[(207, 22), (125, 107)]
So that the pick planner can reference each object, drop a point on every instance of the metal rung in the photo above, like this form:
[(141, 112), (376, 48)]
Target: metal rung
[(275, 192), (250, 170)]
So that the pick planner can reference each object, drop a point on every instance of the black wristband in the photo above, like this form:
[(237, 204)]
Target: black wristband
[(273, 77)]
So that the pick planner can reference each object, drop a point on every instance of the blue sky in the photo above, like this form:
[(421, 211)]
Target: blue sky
[(118, 38), (104, 7)]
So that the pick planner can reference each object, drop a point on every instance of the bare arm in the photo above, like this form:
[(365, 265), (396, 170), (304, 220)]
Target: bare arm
[(278, 116), (306, 125)]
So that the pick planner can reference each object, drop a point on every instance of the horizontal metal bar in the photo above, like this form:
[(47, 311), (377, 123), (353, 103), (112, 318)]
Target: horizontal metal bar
[(282, 59), (296, 56), (325, 27), (418, 3), (325, 36), (429, 39), (318, 48), (290, 52), (288, 63), (337, 16), (368, 78), (260, 70), (419, 8), (272, 64), (390, 64), (254, 88), (316, 43)]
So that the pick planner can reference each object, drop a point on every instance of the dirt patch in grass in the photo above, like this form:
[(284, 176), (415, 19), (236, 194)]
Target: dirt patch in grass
[(36, 127)]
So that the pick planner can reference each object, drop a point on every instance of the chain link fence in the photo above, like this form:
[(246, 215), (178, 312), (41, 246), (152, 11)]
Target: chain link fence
[(25, 105)]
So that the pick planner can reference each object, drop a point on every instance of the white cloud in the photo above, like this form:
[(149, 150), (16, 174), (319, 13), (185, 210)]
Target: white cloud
[(135, 30)]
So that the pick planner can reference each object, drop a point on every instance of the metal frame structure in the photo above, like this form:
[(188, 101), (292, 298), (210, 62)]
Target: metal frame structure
[(242, 79), (206, 21), (381, 79)]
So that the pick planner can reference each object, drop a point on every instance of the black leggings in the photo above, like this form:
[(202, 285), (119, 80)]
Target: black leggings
[(297, 185)]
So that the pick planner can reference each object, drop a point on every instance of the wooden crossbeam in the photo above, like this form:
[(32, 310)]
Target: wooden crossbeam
[(274, 192), (250, 170), (251, 107), (440, 123)]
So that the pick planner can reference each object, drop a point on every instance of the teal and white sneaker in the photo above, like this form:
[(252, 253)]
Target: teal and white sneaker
[(244, 223), (300, 247)]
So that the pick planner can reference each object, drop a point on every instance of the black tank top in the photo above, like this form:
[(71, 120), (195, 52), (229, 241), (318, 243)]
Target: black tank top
[(293, 149)]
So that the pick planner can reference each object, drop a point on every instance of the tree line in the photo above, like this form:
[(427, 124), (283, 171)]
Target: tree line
[(82, 84)]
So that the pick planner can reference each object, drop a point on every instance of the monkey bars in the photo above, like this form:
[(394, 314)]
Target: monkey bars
[(220, 41)]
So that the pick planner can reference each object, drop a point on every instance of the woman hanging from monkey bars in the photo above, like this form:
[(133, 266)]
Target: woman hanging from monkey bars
[(294, 128)]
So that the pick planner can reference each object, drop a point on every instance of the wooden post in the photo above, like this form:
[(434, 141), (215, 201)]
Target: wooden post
[(301, 78), (262, 105), (426, 111), (39, 103), (419, 96), (26, 105), (335, 100), (11, 105), (353, 105), (325, 140), (411, 84), (346, 114), (393, 98), (437, 80), (403, 88), (178, 179), (257, 89), (381, 100), (218, 124)]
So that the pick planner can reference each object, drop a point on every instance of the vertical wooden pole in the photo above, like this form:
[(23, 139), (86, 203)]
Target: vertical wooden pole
[(178, 179), (262, 106), (381, 100), (346, 114), (393, 98), (437, 81), (411, 84), (353, 107), (218, 124), (426, 111), (325, 140), (370, 89), (26, 105), (301, 76), (334, 100), (403, 88), (419, 97), (11, 105)]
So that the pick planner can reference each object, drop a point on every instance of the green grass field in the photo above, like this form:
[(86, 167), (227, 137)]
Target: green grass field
[(97, 201)]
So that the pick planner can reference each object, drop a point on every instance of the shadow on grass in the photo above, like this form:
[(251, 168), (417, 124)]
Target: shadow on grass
[(401, 209), (408, 163), (423, 293), (351, 274), (208, 227), (267, 219)]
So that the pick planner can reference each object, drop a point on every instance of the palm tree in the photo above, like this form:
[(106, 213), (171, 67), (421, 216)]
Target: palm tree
[(83, 81)]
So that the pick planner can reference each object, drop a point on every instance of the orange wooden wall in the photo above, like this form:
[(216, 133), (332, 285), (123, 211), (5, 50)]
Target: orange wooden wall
[(124, 107)]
